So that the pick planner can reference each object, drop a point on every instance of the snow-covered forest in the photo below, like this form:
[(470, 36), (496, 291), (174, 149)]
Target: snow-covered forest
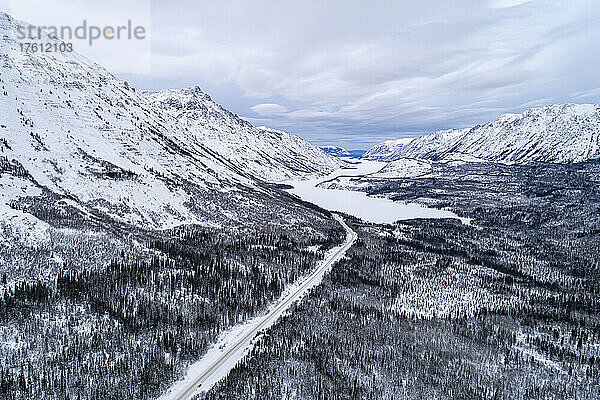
[(128, 328), (504, 308)]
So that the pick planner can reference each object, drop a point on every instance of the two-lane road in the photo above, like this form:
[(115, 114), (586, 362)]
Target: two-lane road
[(224, 357)]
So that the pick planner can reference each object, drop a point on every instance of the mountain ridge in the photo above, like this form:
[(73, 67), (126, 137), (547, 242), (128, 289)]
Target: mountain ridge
[(336, 151), (72, 130), (558, 133), (266, 153)]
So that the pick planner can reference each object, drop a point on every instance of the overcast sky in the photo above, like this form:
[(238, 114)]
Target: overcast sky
[(355, 73)]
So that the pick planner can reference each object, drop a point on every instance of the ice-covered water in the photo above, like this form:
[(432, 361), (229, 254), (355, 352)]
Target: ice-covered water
[(358, 204)]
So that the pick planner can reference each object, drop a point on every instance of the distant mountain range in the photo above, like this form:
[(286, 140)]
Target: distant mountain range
[(72, 132), (337, 151), (561, 133)]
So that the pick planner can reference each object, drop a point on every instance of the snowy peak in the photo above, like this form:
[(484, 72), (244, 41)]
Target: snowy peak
[(335, 151), (266, 153), (190, 99), (70, 130), (386, 151), (560, 133), (79, 133)]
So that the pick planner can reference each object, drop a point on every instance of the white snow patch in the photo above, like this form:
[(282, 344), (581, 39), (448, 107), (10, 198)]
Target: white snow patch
[(30, 230)]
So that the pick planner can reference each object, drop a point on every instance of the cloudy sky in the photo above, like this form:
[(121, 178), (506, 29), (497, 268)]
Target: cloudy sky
[(354, 73)]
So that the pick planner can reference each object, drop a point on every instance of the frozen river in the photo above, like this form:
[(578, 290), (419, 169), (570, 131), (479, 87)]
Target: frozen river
[(358, 204)]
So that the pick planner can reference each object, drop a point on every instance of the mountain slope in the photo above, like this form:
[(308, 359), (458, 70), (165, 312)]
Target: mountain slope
[(561, 133), (270, 154), (80, 133), (336, 151), (73, 132), (122, 238), (386, 151)]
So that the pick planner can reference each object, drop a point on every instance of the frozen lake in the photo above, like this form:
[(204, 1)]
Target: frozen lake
[(358, 204)]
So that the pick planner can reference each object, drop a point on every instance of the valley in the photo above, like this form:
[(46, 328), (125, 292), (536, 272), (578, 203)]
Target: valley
[(506, 307), (155, 245)]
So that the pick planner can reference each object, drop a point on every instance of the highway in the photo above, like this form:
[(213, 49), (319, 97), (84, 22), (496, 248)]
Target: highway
[(230, 353)]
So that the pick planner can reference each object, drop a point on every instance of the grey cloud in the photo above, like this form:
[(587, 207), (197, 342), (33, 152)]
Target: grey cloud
[(268, 109), (348, 69)]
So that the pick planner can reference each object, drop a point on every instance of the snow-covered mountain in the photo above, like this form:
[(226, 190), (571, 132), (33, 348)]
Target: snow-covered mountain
[(404, 168), (71, 131), (75, 130), (561, 133), (270, 154), (386, 151), (336, 151)]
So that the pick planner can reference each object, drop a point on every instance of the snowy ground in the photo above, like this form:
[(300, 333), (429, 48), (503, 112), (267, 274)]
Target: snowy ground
[(357, 203)]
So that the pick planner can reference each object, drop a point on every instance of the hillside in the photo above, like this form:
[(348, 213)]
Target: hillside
[(79, 146), (561, 133), (267, 153)]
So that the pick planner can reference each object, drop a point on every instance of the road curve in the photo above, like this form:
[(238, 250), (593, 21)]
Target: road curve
[(232, 352)]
